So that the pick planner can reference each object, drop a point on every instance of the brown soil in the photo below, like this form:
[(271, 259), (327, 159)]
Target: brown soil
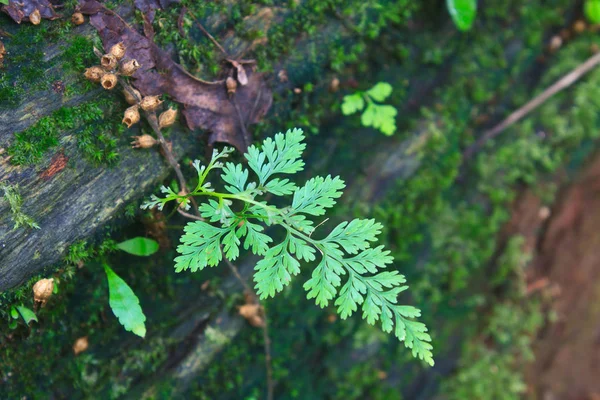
[(567, 261)]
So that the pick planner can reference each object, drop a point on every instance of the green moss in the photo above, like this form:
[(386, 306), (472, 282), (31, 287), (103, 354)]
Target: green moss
[(12, 196), (95, 136)]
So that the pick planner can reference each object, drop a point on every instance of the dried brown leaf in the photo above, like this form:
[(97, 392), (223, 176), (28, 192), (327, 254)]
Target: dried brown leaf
[(206, 105), (20, 10), (148, 7)]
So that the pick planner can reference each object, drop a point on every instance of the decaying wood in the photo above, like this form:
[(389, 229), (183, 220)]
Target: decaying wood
[(73, 203)]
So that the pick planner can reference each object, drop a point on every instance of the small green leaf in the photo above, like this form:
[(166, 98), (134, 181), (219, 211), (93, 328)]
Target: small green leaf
[(380, 91), (139, 246), (125, 304), (592, 11), (5, 2), (381, 117), (14, 313), (353, 103), (462, 12), (27, 314)]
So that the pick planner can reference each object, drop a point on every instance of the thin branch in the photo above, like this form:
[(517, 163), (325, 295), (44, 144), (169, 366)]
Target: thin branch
[(188, 215), (265, 328), (208, 35), (242, 122), (537, 101), (153, 121)]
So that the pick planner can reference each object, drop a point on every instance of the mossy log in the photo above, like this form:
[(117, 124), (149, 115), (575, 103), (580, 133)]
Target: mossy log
[(74, 202)]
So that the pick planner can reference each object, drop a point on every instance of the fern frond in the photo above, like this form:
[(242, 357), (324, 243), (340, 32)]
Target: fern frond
[(350, 271)]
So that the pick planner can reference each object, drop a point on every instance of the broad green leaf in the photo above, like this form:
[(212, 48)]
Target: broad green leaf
[(139, 246), (592, 11), (5, 2), (14, 313), (462, 12), (125, 304), (353, 103), (380, 91), (27, 314)]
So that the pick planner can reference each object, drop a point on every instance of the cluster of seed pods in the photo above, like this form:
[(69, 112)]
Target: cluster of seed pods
[(113, 65)]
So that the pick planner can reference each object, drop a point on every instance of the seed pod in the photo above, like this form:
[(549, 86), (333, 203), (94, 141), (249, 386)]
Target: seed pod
[(334, 85), (283, 76), (77, 18), (143, 142), (253, 314), (579, 26), (555, 43), (167, 118), (94, 74), (231, 85), (150, 103), (108, 81), (42, 290), (131, 99), (118, 50), (129, 67), (184, 204), (543, 213), (109, 62), (81, 345), (35, 18), (131, 116)]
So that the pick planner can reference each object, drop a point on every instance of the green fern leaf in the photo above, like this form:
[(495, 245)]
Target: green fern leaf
[(350, 272)]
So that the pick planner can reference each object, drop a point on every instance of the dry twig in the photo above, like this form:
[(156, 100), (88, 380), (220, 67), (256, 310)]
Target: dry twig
[(534, 103)]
